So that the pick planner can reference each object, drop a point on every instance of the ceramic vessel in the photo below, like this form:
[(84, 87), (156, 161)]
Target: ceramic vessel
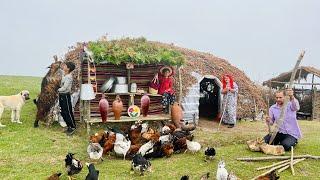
[(117, 107), (176, 114), (145, 103), (103, 108)]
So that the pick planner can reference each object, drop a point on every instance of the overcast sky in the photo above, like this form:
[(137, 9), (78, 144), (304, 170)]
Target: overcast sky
[(262, 38)]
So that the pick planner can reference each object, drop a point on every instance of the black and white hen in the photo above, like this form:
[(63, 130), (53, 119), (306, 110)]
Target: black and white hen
[(140, 164), (210, 152), (93, 173), (73, 166)]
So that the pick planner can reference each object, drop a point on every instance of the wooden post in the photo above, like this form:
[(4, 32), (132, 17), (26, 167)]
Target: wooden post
[(312, 81), (314, 100), (129, 79)]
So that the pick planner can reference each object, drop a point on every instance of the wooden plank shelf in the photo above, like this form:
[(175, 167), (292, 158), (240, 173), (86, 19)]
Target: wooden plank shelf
[(163, 117), (129, 94), (130, 119)]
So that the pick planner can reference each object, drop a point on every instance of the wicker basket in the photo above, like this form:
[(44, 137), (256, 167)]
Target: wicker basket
[(153, 91)]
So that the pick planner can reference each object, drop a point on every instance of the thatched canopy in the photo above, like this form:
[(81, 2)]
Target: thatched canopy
[(302, 73), (204, 64)]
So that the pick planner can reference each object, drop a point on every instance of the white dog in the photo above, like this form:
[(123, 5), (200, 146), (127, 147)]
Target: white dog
[(15, 103)]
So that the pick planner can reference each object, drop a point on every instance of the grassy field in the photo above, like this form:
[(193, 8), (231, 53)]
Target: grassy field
[(29, 153)]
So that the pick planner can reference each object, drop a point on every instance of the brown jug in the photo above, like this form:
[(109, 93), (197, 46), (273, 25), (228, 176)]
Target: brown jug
[(117, 107), (176, 114)]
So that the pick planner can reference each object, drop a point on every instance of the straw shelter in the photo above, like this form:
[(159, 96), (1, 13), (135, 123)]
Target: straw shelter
[(199, 72)]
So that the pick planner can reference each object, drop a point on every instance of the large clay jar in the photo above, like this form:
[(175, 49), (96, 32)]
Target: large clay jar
[(145, 103), (117, 107), (176, 114), (103, 108)]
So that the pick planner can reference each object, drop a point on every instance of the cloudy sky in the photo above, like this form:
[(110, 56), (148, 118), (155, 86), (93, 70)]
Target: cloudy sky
[(262, 38)]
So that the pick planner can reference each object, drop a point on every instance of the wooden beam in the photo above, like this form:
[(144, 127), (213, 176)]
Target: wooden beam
[(312, 81), (280, 82)]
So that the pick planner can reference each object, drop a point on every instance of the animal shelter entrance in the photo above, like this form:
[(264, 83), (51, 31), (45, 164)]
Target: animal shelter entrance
[(210, 97)]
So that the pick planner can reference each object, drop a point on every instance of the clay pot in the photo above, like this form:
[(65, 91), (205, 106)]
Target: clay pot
[(117, 107), (176, 114), (145, 103), (103, 108)]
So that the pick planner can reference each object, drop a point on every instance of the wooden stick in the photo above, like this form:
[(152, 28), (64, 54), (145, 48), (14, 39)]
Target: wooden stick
[(272, 169), (273, 165), (266, 158), (295, 162), (291, 162), (280, 120)]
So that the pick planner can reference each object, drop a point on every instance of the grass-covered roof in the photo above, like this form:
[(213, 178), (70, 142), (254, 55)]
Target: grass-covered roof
[(135, 50)]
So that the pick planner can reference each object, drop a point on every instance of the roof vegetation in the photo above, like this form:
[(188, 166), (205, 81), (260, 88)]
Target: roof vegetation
[(135, 50)]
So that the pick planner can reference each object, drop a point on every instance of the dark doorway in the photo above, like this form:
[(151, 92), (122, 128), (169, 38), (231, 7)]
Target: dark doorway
[(209, 98)]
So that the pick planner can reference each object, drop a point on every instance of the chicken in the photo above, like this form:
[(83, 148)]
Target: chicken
[(270, 176), (222, 173), (140, 164), (185, 177), (55, 176), (180, 145), (151, 134), (95, 151), (134, 148), (210, 153), (232, 176), (205, 176), (167, 149), (165, 138), (98, 138), (165, 130), (103, 108), (121, 145), (93, 173), (193, 146), (109, 142), (73, 166), (145, 102), (135, 134), (146, 148)]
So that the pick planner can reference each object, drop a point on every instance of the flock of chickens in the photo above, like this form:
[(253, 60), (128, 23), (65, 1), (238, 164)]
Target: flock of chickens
[(141, 143)]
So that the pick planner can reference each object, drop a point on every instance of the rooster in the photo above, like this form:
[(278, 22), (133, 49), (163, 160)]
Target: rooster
[(140, 164), (73, 166), (210, 152), (93, 173), (145, 103), (103, 108)]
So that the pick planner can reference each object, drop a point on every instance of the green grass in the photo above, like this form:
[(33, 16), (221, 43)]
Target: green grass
[(29, 153)]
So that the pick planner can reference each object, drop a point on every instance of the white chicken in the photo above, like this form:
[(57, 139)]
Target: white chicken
[(121, 145), (193, 146), (222, 173), (95, 151), (146, 148), (165, 138)]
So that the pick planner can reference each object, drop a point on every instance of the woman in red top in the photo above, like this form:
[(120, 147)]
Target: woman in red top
[(166, 88)]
